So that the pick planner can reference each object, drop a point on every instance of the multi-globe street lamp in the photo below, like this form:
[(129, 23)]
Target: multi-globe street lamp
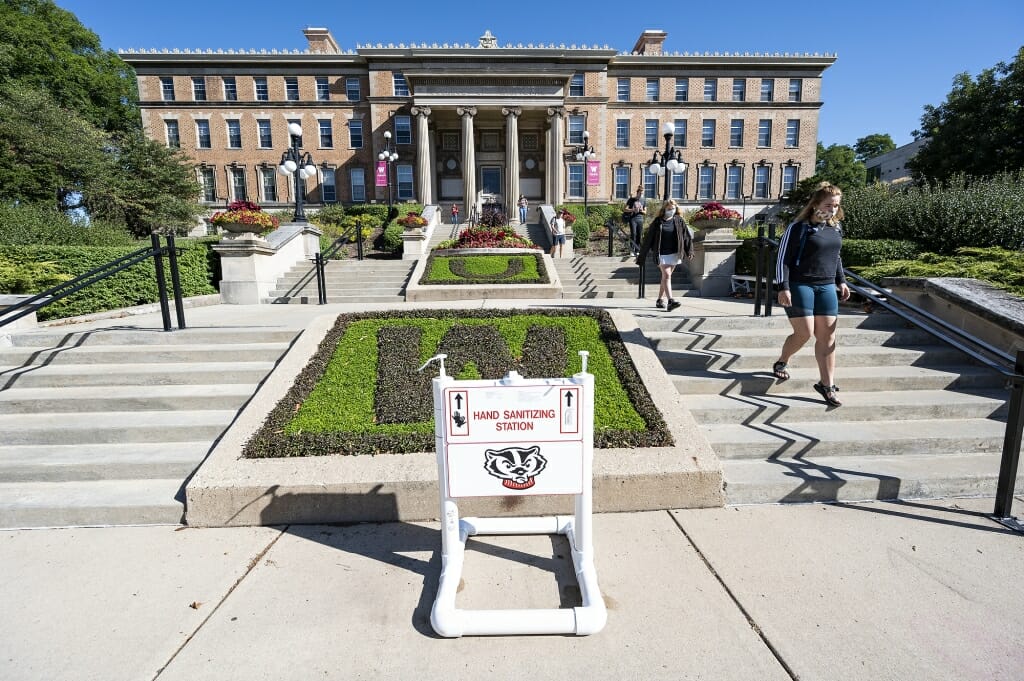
[(584, 153), (389, 157), (671, 159), (298, 164)]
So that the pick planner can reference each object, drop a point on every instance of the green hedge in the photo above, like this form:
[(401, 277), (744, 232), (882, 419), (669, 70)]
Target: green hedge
[(855, 253), (1000, 267), (198, 268)]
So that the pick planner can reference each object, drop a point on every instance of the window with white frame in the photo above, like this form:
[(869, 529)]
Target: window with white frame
[(621, 133), (679, 136), (260, 87), (651, 132), (650, 183), (576, 126), (706, 182), (234, 133), (677, 185), (198, 88), (326, 133), (173, 136), (767, 89), (404, 179), (764, 132), (736, 132), (239, 192), (357, 183), (355, 134), (762, 178), (401, 88), (622, 89), (268, 183), (621, 175), (739, 89), (203, 134), (266, 138), (291, 88), (710, 89), (576, 85), (653, 89), (682, 89), (576, 180), (789, 177), (796, 89), (403, 129), (328, 188), (230, 88), (167, 88), (208, 184), (793, 132), (733, 181), (352, 93), (323, 89), (707, 133)]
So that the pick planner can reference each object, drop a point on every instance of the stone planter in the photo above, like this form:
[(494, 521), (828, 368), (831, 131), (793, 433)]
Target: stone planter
[(717, 223), (720, 229), (242, 228)]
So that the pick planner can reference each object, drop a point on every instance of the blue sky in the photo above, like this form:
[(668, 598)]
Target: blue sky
[(893, 57)]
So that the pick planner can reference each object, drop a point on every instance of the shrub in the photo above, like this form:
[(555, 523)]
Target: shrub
[(866, 252), (492, 216), (391, 240), (377, 210), (485, 237), (32, 225), (331, 214), (28, 277), (998, 266)]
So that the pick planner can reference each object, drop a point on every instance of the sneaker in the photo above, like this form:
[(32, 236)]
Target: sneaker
[(673, 304), (660, 304)]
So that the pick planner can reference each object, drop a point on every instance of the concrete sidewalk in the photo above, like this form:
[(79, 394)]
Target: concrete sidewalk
[(927, 590)]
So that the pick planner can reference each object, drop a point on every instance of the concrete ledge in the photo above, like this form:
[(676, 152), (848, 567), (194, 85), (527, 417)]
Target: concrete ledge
[(416, 292), (230, 491), (148, 308)]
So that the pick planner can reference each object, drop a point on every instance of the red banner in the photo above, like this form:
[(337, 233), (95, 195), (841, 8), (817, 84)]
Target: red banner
[(382, 174), (593, 173)]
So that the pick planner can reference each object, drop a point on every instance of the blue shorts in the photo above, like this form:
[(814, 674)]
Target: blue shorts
[(558, 239), (817, 301)]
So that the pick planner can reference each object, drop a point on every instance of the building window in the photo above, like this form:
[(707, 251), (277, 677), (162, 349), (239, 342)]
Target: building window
[(650, 183), (651, 132), (739, 89), (789, 175), (733, 182), (291, 89), (764, 132), (796, 89), (203, 134), (297, 122), (682, 89), (793, 132), (326, 133), (530, 141), (706, 183), (576, 180), (262, 93), (403, 129), (173, 138), (266, 139), (489, 141), (707, 133), (736, 132), (404, 179), (576, 126), (230, 89), (762, 175), (355, 134), (323, 89), (238, 188), (167, 89), (208, 184), (677, 186), (450, 141), (352, 89), (234, 133), (576, 85), (328, 188), (767, 89), (653, 89), (679, 138), (198, 89), (622, 133), (357, 181), (268, 183), (621, 182), (710, 89), (623, 90), (400, 87)]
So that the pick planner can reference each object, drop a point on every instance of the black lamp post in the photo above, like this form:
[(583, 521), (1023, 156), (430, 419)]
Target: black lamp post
[(584, 153), (670, 160), (389, 157), (300, 165)]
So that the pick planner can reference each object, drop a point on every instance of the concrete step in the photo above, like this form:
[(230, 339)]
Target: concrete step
[(761, 359), (100, 427), (723, 326), (52, 338), (183, 373), (862, 478), (92, 503), (113, 354), (119, 461), (311, 298), (337, 282), (854, 438), (741, 340), (18, 400)]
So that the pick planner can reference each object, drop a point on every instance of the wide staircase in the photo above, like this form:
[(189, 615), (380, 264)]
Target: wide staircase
[(616, 277), (371, 280), (918, 419), (105, 426)]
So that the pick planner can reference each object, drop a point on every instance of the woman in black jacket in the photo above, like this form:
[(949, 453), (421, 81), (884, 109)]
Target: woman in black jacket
[(669, 242)]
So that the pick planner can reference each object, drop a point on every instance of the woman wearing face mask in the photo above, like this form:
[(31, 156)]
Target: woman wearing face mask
[(669, 240), (809, 272)]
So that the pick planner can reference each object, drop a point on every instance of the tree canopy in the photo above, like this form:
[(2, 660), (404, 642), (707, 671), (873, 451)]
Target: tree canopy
[(874, 145)]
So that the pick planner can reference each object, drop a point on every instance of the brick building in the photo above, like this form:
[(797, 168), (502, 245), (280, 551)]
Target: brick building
[(486, 120)]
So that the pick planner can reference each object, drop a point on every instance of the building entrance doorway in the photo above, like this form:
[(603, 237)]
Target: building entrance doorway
[(490, 180)]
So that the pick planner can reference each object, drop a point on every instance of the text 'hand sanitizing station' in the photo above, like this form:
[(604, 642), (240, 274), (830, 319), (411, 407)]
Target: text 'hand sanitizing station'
[(510, 437)]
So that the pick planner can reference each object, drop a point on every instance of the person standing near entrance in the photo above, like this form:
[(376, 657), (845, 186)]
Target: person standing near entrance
[(455, 213), (557, 234), (669, 241), (636, 208), (523, 205), (811, 281)]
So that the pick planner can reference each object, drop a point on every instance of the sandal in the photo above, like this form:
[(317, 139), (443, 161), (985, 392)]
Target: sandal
[(829, 394), (779, 370)]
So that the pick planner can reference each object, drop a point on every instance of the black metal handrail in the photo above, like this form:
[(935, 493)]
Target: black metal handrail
[(617, 232), (107, 270), (321, 257)]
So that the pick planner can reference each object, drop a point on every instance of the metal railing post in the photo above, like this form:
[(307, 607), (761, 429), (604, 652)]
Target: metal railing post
[(172, 260), (359, 243), (643, 278), (769, 274), (161, 285), (760, 255), (611, 237), (1011, 443)]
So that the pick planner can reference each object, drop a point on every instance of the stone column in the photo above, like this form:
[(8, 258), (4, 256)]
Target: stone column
[(511, 115), (468, 160), (554, 156), (423, 165)]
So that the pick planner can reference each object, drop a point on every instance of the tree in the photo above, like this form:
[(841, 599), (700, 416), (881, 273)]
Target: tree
[(979, 129), (838, 164), (873, 145)]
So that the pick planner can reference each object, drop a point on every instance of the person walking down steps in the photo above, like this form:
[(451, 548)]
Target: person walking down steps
[(809, 271), (523, 206), (455, 213), (669, 242), (558, 233)]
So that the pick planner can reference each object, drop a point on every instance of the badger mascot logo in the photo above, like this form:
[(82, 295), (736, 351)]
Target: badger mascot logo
[(515, 466)]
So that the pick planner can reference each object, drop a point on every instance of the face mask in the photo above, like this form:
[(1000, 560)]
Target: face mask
[(826, 214), (669, 212)]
